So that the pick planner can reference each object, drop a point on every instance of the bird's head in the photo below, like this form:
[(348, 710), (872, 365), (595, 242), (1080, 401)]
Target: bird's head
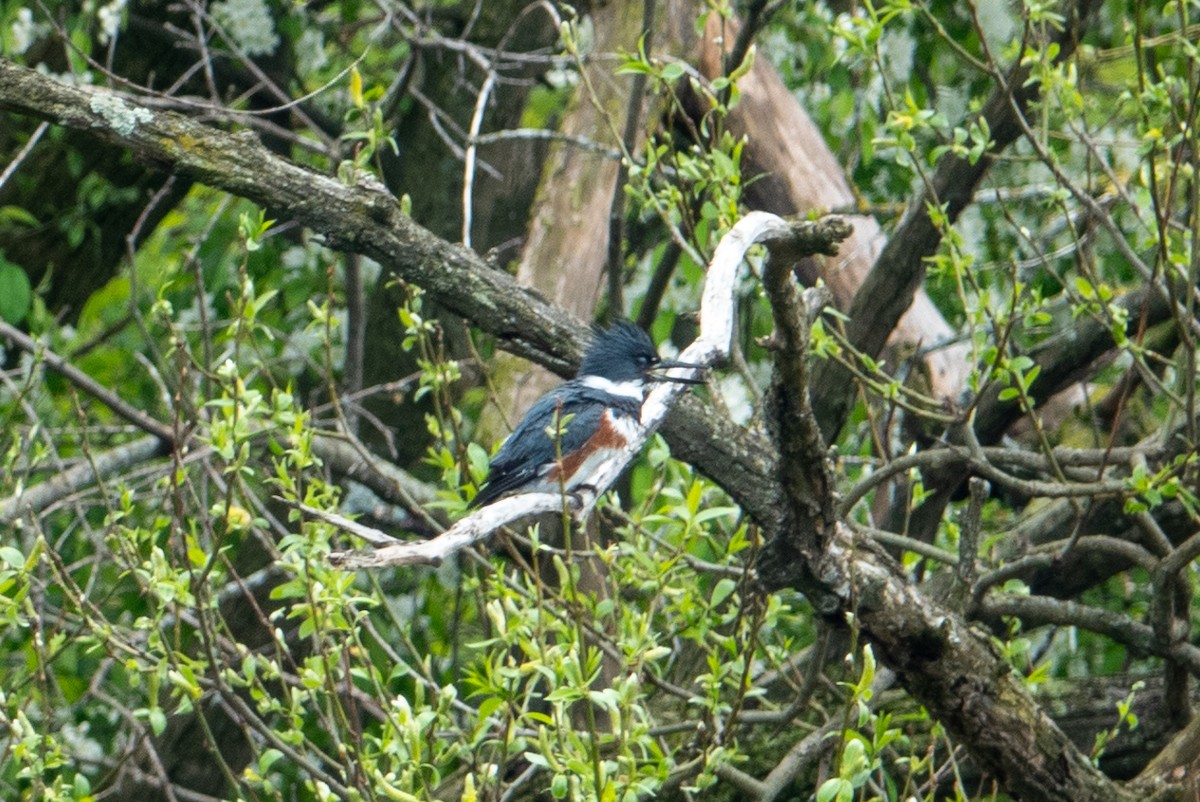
[(625, 353)]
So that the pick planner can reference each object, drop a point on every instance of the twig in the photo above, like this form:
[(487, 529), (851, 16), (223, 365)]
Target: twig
[(539, 134), (90, 386), (21, 156), (968, 539), (907, 543), (383, 478), (1048, 556), (813, 745), (739, 779), (37, 498), (615, 261), (367, 533), (468, 191), (1040, 610), (356, 335), (983, 463), (473, 529)]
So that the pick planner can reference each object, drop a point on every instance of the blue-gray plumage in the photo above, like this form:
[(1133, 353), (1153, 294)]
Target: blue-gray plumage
[(600, 410)]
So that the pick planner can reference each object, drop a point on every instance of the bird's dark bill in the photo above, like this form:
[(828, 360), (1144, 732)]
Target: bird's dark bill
[(667, 364)]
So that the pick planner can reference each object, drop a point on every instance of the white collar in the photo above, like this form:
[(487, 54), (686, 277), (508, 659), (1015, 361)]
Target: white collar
[(625, 389)]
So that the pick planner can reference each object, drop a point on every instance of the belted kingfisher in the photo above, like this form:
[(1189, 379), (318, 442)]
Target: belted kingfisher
[(600, 410)]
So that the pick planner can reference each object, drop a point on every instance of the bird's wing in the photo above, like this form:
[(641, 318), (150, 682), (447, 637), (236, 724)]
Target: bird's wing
[(530, 448)]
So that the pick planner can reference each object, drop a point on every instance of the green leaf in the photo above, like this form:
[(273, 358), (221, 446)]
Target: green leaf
[(536, 759), (356, 87), (633, 66), (747, 63), (1020, 363), (708, 513), (268, 759), (489, 705), (722, 591), (16, 214), (672, 71), (835, 789), (158, 720), (16, 296), (12, 556)]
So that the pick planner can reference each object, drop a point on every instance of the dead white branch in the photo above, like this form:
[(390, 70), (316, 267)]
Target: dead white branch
[(716, 334), (475, 528)]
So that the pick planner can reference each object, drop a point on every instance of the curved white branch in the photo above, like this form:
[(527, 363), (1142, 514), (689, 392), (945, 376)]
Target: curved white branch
[(476, 527), (716, 334)]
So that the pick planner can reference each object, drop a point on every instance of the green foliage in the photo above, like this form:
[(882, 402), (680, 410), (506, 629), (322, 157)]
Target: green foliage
[(16, 295), (696, 185), (1125, 718), (642, 663), (148, 589), (365, 129)]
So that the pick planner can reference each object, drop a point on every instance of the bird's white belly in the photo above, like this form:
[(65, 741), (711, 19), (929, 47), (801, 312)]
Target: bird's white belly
[(627, 427)]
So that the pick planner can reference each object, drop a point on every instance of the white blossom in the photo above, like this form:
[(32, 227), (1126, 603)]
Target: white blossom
[(250, 25), (25, 31), (110, 19)]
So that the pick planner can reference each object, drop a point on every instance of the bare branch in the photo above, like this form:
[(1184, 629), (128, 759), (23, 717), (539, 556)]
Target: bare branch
[(1041, 610), (968, 545), (384, 479), (37, 498), (810, 748), (89, 385), (368, 533), (475, 528)]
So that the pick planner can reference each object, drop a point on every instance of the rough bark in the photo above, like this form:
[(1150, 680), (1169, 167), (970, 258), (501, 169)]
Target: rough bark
[(962, 679)]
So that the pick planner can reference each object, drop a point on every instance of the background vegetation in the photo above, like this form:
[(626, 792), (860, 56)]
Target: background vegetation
[(258, 254)]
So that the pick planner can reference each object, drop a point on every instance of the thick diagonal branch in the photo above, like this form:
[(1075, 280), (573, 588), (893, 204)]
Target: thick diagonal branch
[(961, 678), (950, 669)]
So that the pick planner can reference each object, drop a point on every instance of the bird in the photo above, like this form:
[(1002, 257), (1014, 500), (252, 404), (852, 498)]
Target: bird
[(592, 416)]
